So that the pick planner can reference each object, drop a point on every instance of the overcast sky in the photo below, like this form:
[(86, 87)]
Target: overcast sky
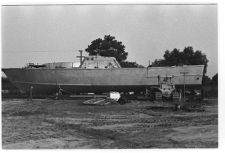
[(54, 33)]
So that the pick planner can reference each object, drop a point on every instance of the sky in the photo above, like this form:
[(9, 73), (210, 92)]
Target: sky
[(55, 33)]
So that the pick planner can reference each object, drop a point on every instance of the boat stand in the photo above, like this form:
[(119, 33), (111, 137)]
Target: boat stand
[(31, 93)]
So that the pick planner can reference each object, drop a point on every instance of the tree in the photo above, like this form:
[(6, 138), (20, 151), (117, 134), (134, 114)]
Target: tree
[(110, 47), (215, 80), (206, 81), (187, 57), (127, 64)]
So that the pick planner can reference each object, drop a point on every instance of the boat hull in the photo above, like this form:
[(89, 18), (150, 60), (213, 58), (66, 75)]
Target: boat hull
[(101, 80)]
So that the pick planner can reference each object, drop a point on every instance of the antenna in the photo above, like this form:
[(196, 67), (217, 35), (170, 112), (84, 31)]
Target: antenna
[(81, 56)]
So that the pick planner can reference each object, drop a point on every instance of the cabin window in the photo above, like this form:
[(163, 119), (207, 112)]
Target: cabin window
[(92, 58), (87, 59)]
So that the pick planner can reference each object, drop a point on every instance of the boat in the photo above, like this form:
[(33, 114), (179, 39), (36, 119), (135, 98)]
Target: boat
[(97, 74)]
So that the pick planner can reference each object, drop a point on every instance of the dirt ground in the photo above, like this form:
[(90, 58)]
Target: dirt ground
[(138, 124)]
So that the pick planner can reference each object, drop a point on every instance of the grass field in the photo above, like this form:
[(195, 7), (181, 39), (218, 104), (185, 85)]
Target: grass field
[(138, 124)]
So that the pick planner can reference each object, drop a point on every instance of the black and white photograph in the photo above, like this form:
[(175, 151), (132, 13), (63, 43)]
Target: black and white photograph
[(109, 76)]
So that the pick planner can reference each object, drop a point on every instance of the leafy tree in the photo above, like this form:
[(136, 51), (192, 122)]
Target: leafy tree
[(186, 57), (110, 47), (130, 64)]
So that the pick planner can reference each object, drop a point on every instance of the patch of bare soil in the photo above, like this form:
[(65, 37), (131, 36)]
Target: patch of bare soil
[(140, 124)]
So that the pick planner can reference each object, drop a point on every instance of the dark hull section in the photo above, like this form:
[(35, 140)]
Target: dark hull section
[(100, 80)]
